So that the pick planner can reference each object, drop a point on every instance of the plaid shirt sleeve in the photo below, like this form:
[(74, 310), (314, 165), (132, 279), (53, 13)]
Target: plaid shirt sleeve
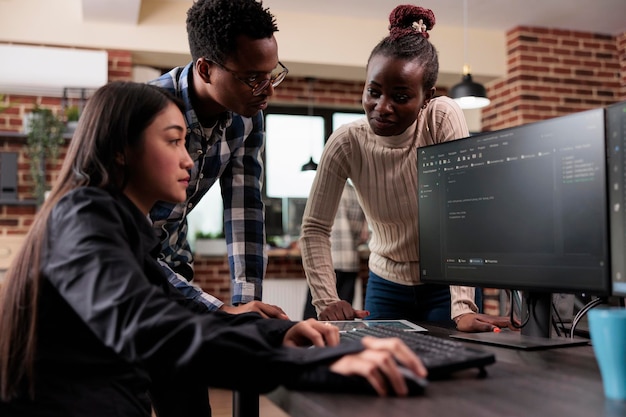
[(190, 291), (244, 226)]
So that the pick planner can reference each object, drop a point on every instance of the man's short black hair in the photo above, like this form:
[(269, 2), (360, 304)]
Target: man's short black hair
[(214, 25)]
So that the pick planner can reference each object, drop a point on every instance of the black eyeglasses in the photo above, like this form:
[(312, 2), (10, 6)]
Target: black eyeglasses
[(277, 76)]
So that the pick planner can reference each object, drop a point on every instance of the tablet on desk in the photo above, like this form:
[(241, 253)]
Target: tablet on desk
[(348, 325)]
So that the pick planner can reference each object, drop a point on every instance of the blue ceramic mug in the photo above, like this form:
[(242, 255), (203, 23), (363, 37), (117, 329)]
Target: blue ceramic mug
[(607, 327)]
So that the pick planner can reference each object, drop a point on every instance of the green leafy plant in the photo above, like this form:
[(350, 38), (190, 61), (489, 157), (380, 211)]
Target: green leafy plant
[(44, 138), (209, 235), (72, 113), (2, 106)]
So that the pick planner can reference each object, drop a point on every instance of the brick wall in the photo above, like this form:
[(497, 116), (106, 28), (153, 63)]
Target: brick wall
[(120, 65), (213, 276), (325, 93), (621, 57), (552, 73), (212, 273)]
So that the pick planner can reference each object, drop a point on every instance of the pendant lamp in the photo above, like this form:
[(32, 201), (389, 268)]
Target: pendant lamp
[(311, 165), (468, 93)]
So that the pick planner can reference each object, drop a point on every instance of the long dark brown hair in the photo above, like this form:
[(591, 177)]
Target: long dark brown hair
[(112, 122)]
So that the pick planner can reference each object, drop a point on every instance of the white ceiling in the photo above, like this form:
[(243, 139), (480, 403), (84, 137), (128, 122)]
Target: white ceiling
[(593, 16), (596, 16), (118, 11)]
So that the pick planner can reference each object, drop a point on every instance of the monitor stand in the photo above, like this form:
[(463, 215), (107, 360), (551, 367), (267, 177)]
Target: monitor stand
[(536, 333)]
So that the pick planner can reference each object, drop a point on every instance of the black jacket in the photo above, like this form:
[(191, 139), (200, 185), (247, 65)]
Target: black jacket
[(107, 323)]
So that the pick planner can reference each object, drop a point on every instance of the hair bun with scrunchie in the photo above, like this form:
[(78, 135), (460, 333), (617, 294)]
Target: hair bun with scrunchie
[(409, 19)]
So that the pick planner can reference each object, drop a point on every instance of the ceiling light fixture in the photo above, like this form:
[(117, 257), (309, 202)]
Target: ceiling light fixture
[(468, 93)]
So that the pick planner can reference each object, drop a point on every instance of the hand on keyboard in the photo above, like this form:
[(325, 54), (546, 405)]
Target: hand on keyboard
[(378, 365), (441, 356)]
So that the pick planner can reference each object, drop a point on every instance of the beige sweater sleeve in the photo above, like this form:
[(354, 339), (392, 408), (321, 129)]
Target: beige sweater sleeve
[(317, 222), (462, 300)]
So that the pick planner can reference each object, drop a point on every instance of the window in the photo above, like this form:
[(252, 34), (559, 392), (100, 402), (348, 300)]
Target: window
[(345, 118), (292, 138), (207, 216)]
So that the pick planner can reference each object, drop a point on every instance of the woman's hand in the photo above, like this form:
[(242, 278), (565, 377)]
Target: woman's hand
[(378, 363), (265, 310), (342, 310), (474, 322), (312, 332)]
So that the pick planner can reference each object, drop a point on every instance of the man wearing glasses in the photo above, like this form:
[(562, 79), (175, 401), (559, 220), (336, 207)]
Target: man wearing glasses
[(225, 88)]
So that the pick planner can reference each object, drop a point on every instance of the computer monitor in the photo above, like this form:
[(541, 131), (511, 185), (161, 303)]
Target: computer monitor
[(616, 148), (522, 208)]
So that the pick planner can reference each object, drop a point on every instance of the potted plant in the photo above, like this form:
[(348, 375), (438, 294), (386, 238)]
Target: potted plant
[(44, 137), (2, 106), (71, 117), (210, 244)]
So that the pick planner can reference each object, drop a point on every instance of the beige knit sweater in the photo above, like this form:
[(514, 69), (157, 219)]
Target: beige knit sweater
[(384, 173)]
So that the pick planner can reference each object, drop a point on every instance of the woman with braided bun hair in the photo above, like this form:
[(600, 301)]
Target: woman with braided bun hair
[(379, 154)]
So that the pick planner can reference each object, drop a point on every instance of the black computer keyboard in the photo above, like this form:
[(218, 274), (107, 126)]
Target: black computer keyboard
[(440, 356)]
